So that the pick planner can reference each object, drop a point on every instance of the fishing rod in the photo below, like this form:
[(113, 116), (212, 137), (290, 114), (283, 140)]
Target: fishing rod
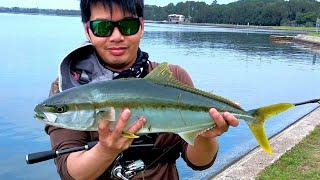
[(308, 102), (47, 155), (123, 171)]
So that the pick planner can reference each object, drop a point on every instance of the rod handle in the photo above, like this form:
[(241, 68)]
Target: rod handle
[(40, 156)]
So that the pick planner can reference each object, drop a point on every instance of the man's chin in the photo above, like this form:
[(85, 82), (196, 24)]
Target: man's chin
[(118, 65)]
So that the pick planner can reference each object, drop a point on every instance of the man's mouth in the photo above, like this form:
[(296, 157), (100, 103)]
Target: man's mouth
[(117, 51)]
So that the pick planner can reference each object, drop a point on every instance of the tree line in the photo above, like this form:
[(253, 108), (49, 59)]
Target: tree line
[(57, 12), (243, 12), (255, 12)]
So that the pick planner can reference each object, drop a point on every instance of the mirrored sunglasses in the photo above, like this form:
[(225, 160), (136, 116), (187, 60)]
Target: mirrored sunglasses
[(104, 27)]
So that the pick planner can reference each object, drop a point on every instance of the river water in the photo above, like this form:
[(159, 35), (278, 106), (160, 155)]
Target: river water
[(240, 64)]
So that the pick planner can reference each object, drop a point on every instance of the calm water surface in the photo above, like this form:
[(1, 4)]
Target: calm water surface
[(239, 64)]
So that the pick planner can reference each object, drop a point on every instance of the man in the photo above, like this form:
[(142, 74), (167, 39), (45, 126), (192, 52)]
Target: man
[(114, 29)]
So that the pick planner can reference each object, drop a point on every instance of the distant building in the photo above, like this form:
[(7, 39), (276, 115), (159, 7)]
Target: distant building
[(178, 18)]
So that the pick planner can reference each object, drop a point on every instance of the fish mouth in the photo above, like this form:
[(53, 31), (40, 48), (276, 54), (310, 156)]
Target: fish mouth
[(47, 117), (40, 113), (40, 116), (38, 108)]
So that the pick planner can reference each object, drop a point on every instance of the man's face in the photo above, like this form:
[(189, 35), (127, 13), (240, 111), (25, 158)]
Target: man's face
[(118, 51)]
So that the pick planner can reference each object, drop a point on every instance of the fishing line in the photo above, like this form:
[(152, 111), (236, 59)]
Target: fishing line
[(308, 102), (163, 153)]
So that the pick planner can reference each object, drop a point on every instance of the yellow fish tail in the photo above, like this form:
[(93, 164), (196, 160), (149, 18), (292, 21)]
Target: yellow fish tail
[(261, 115)]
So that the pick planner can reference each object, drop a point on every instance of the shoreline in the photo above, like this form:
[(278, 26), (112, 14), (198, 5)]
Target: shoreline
[(288, 29), (307, 39), (311, 43), (300, 38), (250, 165), (76, 13)]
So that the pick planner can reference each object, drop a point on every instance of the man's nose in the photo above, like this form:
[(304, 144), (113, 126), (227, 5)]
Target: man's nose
[(116, 35)]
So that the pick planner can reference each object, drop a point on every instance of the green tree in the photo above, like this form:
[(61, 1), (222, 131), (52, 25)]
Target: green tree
[(255, 12)]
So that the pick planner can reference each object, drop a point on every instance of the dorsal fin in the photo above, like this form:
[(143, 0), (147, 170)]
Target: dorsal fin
[(163, 76)]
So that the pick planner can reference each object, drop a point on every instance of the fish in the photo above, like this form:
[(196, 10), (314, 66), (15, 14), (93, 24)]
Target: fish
[(168, 105)]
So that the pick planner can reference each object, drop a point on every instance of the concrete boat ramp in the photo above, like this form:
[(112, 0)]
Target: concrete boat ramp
[(301, 38), (257, 160)]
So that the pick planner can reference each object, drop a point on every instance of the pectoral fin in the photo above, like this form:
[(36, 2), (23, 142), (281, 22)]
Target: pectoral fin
[(109, 114), (106, 114), (129, 135)]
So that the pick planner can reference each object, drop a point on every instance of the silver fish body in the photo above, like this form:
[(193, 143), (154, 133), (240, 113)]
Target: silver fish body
[(166, 108)]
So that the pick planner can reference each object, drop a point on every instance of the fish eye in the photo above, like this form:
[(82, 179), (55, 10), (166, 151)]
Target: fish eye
[(61, 109)]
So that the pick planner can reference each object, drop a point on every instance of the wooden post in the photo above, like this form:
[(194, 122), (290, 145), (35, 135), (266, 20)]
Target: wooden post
[(318, 25)]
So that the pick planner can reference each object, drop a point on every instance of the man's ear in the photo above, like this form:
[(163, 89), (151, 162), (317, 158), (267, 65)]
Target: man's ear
[(142, 27), (86, 31)]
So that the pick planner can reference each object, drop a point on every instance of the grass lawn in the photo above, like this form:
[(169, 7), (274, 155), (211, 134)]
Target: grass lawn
[(315, 34), (294, 28), (301, 162)]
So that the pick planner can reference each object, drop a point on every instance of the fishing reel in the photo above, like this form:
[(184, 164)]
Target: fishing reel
[(128, 169)]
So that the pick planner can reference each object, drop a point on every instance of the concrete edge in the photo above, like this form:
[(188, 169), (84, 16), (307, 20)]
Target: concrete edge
[(249, 166), (307, 39)]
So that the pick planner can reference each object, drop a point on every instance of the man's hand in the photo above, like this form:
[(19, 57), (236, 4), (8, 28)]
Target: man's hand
[(112, 141), (206, 146), (222, 121), (92, 163)]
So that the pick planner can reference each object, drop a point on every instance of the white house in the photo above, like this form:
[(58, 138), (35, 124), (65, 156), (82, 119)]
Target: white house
[(177, 18)]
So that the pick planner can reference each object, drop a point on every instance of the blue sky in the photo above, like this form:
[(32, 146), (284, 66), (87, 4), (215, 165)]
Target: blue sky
[(74, 4)]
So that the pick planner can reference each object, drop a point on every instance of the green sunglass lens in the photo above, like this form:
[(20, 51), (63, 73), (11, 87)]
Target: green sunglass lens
[(102, 28), (129, 26)]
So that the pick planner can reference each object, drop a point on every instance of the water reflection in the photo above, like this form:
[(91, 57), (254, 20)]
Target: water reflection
[(258, 46)]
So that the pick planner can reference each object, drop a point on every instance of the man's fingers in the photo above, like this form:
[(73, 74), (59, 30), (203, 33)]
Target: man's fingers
[(103, 128), (231, 120), (221, 124), (217, 117), (122, 122), (138, 125)]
